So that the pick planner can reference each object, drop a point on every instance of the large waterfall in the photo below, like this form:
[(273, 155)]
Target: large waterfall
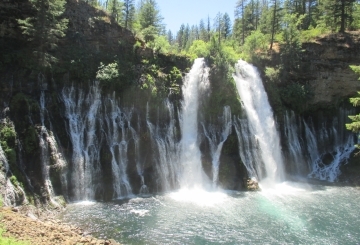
[(261, 124), (114, 151), (192, 174)]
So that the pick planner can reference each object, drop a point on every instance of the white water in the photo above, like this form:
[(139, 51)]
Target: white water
[(295, 144), (192, 174), (49, 152), (248, 148), (318, 151), (261, 120), (330, 143), (165, 147), (82, 113), (119, 133), (216, 140)]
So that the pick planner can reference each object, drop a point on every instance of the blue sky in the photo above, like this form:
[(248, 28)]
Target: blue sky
[(177, 12)]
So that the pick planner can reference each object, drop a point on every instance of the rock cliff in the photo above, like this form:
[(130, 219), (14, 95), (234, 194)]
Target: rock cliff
[(330, 76)]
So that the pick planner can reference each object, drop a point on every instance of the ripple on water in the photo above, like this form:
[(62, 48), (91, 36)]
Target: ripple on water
[(292, 214)]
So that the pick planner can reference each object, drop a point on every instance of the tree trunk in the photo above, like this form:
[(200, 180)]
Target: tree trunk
[(342, 17), (273, 26)]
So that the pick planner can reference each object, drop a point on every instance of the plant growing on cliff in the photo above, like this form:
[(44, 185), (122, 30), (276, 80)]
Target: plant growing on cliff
[(108, 73), (45, 29), (355, 124)]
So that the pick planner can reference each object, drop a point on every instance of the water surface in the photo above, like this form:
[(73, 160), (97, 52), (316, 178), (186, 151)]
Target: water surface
[(289, 214)]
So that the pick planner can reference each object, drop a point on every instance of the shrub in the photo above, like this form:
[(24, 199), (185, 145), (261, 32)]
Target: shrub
[(107, 73)]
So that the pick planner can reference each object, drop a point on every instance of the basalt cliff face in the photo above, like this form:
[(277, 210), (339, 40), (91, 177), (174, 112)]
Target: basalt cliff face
[(329, 74)]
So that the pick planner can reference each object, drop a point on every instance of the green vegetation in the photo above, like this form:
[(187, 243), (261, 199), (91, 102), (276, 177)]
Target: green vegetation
[(10, 240), (8, 142), (45, 29), (355, 124)]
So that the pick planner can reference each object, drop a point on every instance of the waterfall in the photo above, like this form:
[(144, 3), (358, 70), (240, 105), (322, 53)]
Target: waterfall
[(166, 150), (328, 147), (196, 80), (260, 116), (318, 151), (49, 152), (248, 148), (216, 141), (118, 135), (295, 143), (44, 150), (82, 114)]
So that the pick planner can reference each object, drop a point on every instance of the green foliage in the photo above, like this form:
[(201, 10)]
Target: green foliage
[(161, 44), (45, 29), (10, 240), (311, 34), (354, 126), (295, 96), (149, 15), (31, 141), (254, 44), (272, 74), (8, 143), (108, 73), (115, 7), (175, 75), (8, 136), (222, 55), (199, 48)]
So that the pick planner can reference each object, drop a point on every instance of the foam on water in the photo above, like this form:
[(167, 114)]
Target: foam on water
[(199, 196)]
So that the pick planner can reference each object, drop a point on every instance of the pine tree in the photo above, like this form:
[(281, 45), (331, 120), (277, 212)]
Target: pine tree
[(208, 29), (179, 36), (170, 37), (240, 14), (202, 31), (226, 31), (218, 26), (45, 29), (128, 13), (149, 15), (115, 9)]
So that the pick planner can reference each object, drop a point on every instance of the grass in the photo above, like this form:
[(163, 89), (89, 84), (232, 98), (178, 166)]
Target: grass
[(10, 240)]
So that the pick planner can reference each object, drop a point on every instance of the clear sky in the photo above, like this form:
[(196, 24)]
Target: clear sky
[(177, 12)]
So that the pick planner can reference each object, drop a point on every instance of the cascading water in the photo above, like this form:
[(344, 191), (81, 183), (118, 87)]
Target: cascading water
[(260, 116), (82, 115), (118, 135), (248, 148), (216, 140), (49, 153), (45, 153), (166, 151), (329, 148), (319, 150), (295, 144), (192, 174)]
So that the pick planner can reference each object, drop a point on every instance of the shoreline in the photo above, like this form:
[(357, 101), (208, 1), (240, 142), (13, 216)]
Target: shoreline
[(43, 229)]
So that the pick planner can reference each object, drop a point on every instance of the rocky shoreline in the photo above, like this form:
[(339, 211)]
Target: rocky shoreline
[(41, 228)]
